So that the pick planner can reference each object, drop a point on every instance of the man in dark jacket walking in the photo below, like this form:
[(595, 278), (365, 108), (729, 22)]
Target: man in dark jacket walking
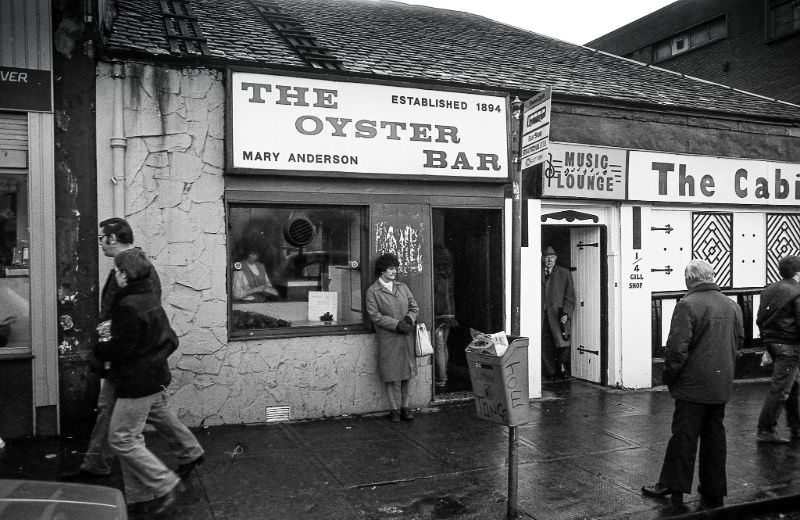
[(704, 340), (778, 319), (115, 236), (141, 341)]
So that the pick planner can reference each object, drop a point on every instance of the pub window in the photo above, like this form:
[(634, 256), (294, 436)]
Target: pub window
[(783, 17), (15, 334), (295, 269)]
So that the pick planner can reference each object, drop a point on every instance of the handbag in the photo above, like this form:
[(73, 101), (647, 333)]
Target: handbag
[(423, 344)]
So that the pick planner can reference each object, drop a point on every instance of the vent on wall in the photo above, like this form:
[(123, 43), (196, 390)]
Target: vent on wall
[(183, 31), (278, 413), (297, 36)]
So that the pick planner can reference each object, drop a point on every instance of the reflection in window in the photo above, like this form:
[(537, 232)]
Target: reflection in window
[(784, 17), (294, 266), (14, 262)]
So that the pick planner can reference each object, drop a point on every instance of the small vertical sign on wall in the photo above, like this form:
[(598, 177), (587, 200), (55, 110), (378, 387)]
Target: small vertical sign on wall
[(535, 141)]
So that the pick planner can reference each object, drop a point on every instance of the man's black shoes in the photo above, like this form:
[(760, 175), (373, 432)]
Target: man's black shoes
[(658, 490), (158, 507), (184, 470)]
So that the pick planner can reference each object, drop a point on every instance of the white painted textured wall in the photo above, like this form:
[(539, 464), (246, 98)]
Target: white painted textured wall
[(174, 188)]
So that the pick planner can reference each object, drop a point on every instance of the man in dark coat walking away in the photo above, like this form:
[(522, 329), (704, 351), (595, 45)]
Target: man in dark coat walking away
[(141, 340), (704, 340), (778, 319), (558, 303)]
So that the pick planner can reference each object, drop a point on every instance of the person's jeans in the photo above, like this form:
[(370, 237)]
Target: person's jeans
[(690, 422), (783, 391), (98, 456), (144, 475)]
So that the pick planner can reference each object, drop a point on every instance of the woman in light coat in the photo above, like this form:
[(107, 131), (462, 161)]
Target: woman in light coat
[(393, 311)]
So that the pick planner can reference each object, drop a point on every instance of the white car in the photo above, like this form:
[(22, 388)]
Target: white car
[(44, 500)]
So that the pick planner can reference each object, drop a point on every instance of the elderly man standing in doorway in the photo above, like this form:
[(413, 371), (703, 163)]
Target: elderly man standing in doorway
[(558, 303), (704, 340)]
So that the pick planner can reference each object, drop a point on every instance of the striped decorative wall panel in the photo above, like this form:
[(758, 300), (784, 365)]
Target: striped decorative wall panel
[(783, 239), (712, 241)]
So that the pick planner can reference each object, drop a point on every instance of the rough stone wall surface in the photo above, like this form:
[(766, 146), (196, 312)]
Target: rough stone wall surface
[(174, 129)]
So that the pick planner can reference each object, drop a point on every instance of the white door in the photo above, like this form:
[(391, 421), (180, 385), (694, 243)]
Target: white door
[(585, 251)]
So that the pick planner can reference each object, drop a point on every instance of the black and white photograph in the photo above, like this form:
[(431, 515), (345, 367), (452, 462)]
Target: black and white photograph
[(399, 259)]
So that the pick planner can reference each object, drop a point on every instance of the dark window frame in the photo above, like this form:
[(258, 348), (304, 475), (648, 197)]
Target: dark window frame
[(364, 327), (769, 6), (687, 32)]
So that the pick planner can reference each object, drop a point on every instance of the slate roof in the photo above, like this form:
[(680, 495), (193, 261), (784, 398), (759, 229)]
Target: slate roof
[(390, 39)]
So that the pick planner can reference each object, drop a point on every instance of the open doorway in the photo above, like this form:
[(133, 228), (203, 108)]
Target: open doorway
[(468, 289), (582, 251)]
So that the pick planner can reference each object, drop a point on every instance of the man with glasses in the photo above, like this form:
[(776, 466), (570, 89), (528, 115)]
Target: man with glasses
[(115, 236)]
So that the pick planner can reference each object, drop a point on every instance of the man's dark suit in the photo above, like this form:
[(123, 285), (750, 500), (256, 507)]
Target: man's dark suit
[(558, 294)]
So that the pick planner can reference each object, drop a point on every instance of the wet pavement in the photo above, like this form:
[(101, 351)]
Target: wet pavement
[(585, 454)]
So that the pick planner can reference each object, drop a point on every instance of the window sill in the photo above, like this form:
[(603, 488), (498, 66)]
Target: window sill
[(295, 332), (9, 353)]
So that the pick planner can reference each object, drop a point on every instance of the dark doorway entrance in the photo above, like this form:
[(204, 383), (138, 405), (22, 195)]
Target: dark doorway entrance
[(468, 289)]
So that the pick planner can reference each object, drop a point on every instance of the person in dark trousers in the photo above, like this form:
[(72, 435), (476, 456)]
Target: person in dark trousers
[(704, 339), (778, 319), (393, 310), (141, 340), (444, 309), (558, 303), (115, 236)]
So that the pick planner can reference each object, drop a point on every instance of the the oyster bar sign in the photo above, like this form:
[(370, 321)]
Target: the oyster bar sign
[(298, 124), (703, 180)]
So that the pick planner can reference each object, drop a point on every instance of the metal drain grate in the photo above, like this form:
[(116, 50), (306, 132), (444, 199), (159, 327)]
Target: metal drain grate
[(278, 413)]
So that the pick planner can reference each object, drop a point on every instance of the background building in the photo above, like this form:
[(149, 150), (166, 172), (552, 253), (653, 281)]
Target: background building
[(752, 45)]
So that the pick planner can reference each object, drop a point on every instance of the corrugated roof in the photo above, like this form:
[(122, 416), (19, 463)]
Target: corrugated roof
[(387, 38)]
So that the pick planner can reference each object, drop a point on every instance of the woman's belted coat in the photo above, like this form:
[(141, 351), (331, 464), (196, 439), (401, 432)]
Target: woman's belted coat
[(396, 357)]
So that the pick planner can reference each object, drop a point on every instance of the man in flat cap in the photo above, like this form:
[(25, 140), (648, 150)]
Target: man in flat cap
[(558, 303)]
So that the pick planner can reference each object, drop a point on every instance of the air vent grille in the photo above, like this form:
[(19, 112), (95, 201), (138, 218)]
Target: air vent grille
[(299, 231), (278, 413)]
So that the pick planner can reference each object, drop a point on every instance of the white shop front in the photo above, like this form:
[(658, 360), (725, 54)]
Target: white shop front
[(628, 233)]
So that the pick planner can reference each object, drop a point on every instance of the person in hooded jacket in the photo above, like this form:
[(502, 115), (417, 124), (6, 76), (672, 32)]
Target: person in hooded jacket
[(141, 340), (704, 339), (115, 236), (393, 310), (778, 320)]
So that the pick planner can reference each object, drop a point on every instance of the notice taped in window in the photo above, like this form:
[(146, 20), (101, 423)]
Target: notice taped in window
[(322, 305)]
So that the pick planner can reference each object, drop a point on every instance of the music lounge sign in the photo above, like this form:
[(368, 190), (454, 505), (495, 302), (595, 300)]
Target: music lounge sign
[(703, 180), (588, 172), (300, 124), (26, 89)]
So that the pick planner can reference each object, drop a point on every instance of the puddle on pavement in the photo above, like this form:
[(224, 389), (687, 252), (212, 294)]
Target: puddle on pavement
[(440, 507)]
